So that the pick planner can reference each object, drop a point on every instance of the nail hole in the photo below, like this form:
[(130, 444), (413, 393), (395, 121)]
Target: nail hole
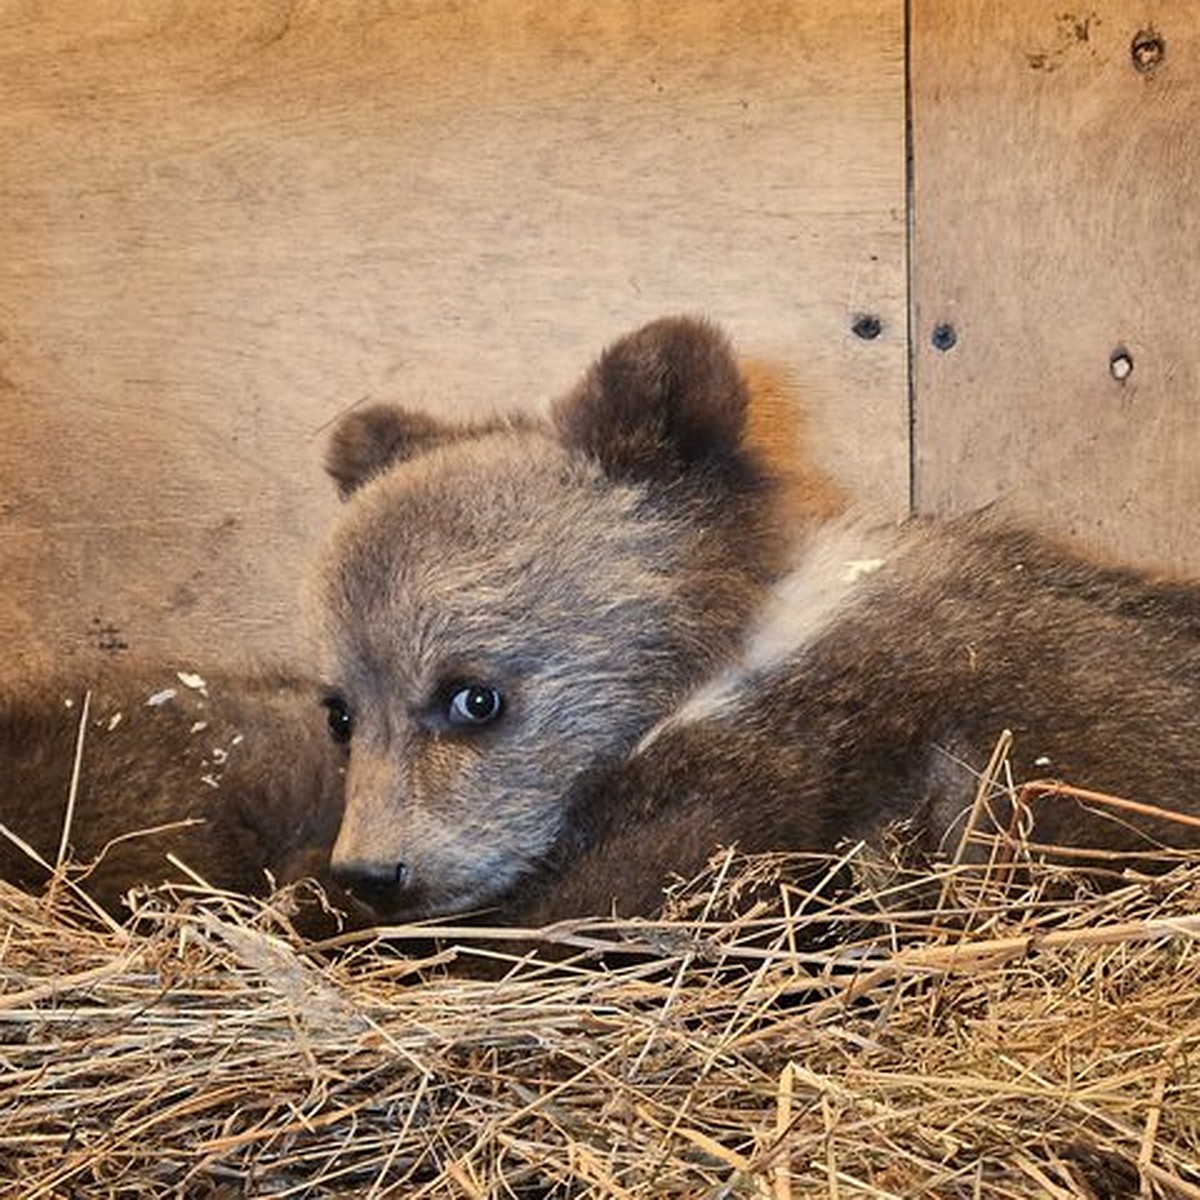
[(1147, 50), (867, 326), (944, 337), (1120, 364)]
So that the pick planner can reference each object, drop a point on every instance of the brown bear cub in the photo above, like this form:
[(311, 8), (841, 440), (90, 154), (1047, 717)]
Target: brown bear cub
[(532, 637), (505, 604), (234, 775)]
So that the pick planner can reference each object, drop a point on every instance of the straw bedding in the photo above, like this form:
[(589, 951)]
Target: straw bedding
[(971, 1031)]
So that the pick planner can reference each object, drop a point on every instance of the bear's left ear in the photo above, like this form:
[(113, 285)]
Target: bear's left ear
[(661, 401), (369, 440)]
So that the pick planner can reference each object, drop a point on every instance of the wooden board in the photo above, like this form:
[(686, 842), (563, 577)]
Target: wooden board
[(1056, 221), (224, 224)]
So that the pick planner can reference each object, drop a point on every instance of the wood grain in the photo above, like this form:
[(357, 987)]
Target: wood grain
[(1056, 219), (226, 223)]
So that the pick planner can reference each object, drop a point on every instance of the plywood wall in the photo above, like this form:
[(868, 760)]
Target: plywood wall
[(225, 223), (1056, 279)]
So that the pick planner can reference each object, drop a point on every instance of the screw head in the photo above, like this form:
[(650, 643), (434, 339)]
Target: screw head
[(944, 337), (867, 326)]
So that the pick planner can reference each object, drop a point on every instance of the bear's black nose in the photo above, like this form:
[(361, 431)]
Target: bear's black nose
[(376, 884)]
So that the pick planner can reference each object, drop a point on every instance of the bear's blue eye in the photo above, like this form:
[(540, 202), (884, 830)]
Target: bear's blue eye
[(341, 723), (474, 704)]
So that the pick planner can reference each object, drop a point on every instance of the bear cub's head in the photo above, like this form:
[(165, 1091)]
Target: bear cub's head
[(503, 604)]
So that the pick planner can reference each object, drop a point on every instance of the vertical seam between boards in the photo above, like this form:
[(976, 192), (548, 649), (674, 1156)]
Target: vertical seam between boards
[(910, 220)]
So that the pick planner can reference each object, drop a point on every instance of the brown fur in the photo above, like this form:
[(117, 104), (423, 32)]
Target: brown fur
[(249, 759), (880, 710), (776, 434), (592, 569)]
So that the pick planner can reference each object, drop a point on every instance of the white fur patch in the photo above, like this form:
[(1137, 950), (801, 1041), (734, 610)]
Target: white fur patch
[(799, 609)]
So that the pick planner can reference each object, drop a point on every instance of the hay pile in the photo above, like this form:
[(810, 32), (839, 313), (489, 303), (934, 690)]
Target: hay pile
[(927, 1035)]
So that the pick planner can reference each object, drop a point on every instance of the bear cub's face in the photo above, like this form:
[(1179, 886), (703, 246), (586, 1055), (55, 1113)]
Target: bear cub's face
[(504, 604)]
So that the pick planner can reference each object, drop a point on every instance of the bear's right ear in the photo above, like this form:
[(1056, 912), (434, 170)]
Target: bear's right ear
[(662, 400), (369, 440)]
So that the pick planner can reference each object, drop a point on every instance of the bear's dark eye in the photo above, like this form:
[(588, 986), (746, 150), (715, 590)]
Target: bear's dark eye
[(341, 723), (473, 704)]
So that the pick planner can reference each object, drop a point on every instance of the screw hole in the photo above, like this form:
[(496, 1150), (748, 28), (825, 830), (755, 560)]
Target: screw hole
[(1120, 364), (944, 337), (867, 326), (1147, 50)]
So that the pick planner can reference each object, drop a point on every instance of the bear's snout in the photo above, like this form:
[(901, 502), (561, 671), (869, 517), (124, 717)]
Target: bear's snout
[(379, 884)]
